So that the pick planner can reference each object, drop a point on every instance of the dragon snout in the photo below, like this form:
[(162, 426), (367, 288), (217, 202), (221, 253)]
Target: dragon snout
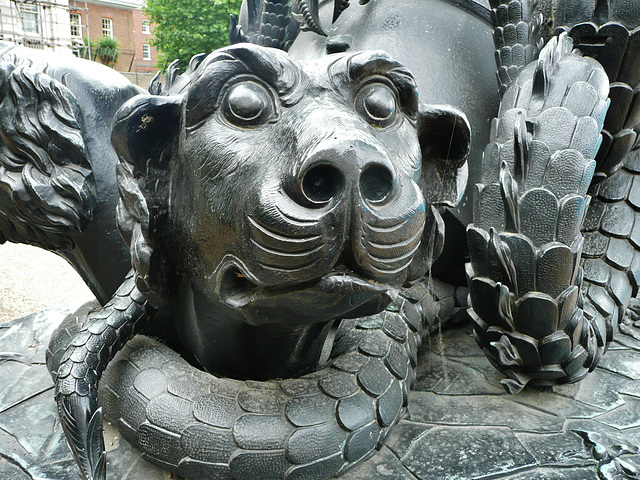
[(345, 207), (341, 170), (377, 211), (323, 181)]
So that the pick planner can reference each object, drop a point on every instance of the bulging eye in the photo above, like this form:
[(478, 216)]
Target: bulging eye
[(377, 103), (247, 104)]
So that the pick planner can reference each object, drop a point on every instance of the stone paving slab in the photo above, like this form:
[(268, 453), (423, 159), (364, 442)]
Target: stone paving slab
[(461, 424)]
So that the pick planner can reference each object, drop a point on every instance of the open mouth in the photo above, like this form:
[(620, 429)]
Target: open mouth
[(339, 293)]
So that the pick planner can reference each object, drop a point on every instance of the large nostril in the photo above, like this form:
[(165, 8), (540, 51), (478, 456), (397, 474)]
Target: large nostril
[(376, 181), (322, 182)]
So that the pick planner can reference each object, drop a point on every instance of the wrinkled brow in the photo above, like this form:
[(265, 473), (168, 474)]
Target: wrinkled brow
[(350, 70), (272, 66)]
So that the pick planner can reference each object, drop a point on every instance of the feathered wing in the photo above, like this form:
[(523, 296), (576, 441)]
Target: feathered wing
[(47, 188), (525, 331), (526, 243), (516, 36), (271, 23)]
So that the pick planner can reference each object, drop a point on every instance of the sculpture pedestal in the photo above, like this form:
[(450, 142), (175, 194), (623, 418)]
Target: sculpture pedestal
[(461, 423)]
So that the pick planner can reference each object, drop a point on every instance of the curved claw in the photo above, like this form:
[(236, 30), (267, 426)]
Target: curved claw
[(339, 6), (236, 35), (310, 11)]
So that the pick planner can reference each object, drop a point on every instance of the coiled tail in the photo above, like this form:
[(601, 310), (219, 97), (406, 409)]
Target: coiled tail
[(312, 427), (80, 367)]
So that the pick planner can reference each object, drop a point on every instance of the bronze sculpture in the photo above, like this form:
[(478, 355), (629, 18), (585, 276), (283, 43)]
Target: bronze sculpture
[(333, 222), (200, 244)]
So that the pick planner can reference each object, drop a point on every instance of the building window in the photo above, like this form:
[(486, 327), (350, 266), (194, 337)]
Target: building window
[(146, 51), (29, 15), (107, 27), (76, 25), (146, 27)]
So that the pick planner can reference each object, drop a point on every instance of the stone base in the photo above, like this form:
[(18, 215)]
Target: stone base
[(461, 423)]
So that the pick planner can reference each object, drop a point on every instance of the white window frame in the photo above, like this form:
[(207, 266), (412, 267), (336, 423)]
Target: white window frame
[(30, 17), (146, 51), (107, 27), (76, 25), (146, 27)]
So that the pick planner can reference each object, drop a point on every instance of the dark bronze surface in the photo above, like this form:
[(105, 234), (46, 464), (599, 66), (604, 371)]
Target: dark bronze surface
[(282, 212), (460, 422)]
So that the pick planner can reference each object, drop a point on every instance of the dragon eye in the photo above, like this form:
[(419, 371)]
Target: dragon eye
[(247, 104), (377, 103)]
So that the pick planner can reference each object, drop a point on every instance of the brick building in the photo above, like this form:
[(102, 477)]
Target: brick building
[(122, 20), (39, 24)]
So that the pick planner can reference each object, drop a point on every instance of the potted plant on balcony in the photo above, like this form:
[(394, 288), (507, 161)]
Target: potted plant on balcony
[(107, 51)]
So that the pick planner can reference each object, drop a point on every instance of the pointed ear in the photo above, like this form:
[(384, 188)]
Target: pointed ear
[(145, 131), (445, 136), (145, 134)]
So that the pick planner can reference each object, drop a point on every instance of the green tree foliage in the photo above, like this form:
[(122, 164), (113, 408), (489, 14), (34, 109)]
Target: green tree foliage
[(187, 27)]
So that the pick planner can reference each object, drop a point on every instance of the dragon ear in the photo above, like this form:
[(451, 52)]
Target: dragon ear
[(445, 136), (145, 135), (145, 131)]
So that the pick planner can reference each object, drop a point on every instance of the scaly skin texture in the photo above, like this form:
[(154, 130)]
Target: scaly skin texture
[(201, 426), (544, 311), (526, 240), (516, 37), (77, 371), (375, 354), (270, 25)]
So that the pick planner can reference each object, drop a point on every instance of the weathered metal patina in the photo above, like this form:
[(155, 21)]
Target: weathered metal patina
[(282, 213)]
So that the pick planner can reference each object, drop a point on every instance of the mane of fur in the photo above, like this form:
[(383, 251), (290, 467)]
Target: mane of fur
[(47, 188)]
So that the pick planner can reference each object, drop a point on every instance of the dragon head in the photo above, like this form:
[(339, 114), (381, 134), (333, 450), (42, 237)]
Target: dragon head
[(285, 193)]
